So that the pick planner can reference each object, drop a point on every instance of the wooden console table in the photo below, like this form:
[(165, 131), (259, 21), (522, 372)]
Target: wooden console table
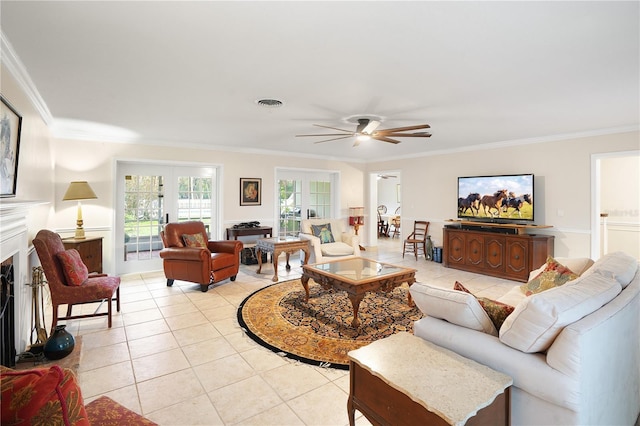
[(405, 380), (500, 250), (265, 231)]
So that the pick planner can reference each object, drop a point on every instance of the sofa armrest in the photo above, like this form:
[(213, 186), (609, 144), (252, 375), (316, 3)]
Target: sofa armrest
[(186, 253)]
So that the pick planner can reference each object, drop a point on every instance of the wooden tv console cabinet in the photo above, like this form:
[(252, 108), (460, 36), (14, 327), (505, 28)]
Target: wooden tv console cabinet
[(500, 250)]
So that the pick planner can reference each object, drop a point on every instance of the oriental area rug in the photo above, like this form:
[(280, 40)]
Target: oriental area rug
[(318, 332)]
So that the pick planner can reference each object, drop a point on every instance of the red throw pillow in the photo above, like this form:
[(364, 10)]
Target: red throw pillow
[(75, 271), (41, 396), (194, 240)]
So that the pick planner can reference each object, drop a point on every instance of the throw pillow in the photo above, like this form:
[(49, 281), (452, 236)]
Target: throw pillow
[(75, 271), (497, 311), (194, 240), (553, 275), (41, 396), (323, 232)]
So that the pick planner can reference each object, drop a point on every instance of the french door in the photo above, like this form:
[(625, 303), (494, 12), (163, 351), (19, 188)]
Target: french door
[(151, 195), (304, 195)]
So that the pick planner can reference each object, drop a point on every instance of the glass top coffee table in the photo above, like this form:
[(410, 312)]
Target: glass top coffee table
[(357, 276)]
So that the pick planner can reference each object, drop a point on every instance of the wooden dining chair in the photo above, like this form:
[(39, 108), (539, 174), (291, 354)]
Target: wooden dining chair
[(416, 242)]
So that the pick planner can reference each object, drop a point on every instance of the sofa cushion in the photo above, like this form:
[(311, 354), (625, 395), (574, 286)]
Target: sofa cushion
[(194, 240), (537, 320), (336, 249), (496, 310), (323, 232), (619, 266), (41, 396), (553, 275), (74, 269), (454, 306)]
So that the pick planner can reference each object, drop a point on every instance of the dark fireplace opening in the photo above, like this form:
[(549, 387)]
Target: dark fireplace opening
[(7, 315)]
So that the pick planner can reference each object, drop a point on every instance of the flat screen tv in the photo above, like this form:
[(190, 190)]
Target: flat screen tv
[(500, 198)]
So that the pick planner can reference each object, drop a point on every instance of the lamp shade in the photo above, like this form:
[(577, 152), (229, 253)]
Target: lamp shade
[(79, 190)]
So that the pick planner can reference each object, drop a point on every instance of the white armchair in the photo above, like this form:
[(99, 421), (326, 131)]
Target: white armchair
[(346, 244)]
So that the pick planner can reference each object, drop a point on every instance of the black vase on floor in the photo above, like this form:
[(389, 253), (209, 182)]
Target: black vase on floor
[(60, 344)]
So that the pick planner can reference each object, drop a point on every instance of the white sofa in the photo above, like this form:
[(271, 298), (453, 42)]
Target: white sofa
[(573, 351), (346, 244)]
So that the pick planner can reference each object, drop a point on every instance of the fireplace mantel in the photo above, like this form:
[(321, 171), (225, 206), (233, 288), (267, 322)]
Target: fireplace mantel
[(14, 243)]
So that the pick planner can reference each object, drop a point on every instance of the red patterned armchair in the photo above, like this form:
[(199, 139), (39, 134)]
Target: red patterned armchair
[(69, 282), (188, 255)]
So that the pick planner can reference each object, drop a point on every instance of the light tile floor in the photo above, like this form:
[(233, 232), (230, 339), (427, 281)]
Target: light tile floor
[(178, 356)]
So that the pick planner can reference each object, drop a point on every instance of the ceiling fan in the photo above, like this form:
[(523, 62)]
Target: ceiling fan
[(367, 130), (383, 176)]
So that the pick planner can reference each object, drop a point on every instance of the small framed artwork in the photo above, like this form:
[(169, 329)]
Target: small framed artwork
[(250, 191), (10, 126), (398, 193)]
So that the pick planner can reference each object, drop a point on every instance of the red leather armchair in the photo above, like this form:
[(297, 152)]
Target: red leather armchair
[(218, 261)]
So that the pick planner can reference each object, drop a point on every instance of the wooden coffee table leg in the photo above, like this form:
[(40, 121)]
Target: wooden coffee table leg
[(305, 283), (355, 302)]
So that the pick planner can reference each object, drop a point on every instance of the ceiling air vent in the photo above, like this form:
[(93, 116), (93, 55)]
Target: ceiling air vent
[(270, 103)]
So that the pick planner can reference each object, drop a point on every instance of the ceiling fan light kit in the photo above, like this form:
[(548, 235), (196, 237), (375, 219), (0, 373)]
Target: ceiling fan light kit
[(366, 130)]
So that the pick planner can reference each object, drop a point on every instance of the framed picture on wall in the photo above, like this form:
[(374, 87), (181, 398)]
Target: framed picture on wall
[(398, 193), (10, 126), (250, 191)]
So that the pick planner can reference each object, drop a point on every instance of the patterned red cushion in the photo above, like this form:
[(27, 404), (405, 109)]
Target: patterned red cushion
[(41, 396), (75, 271), (194, 240), (105, 411)]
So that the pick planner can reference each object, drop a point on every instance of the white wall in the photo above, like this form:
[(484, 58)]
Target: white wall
[(94, 162), (562, 177)]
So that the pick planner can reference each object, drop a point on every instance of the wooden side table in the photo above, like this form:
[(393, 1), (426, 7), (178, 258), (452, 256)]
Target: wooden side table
[(90, 250), (405, 380), (278, 245), (257, 230)]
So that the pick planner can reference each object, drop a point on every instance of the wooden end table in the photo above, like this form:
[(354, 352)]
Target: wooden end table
[(405, 380), (357, 276), (278, 245)]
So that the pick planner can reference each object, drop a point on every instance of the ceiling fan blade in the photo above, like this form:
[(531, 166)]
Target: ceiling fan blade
[(404, 129), (370, 127), (334, 139), (409, 135), (334, 128), (356, 142), (325, 134), (384, 139)]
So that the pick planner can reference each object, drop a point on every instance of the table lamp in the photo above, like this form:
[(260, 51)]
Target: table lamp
[(356, 217), (79, 190)]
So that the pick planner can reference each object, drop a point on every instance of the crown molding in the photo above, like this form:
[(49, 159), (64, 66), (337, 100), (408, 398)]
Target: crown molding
[(14, 65)]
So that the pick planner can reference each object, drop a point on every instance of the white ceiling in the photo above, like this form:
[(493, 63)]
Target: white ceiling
[(189, 73)]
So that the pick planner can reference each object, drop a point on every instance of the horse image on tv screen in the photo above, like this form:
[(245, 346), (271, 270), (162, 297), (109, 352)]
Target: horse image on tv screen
[(505, 197)]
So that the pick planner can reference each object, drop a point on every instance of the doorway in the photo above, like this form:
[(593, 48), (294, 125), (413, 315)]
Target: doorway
[(149, 195), (615, 205), (304, 194)]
